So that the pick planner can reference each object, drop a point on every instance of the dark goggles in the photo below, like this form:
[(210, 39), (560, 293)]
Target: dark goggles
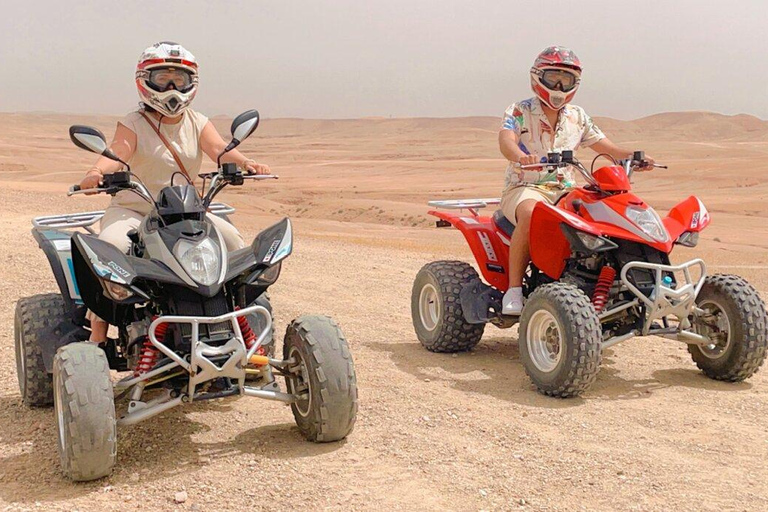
[(161, 79), (561, 79)]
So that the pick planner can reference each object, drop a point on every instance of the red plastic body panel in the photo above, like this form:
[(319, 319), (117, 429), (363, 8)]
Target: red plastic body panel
[(548, 245), (486, 245), (596, 213), (689, 215), (612, 178)]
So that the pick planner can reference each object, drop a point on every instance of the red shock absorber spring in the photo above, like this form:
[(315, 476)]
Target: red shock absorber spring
[(248, 335), (603, 287), (149, 354)]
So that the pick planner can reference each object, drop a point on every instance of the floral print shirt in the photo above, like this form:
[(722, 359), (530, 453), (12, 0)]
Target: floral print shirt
[(527, 119)]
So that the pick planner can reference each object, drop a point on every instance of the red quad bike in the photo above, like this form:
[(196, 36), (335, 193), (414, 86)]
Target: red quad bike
[(600, 274)]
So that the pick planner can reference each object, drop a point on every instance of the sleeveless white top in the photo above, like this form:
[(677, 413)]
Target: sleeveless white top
[(153, 163)]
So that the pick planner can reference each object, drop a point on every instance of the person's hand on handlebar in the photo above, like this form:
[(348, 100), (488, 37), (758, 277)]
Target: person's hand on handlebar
[(251, 167), (648, 163), (92, 180), (529, 159)]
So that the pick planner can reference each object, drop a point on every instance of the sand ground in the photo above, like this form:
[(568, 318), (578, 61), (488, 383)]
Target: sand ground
[(434, 431)]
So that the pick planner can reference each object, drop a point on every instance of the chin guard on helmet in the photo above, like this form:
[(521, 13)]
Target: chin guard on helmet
[(166, 78), (555, 76)]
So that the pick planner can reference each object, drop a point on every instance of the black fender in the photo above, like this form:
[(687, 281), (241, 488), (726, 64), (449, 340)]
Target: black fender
[(53, 243), (268, 248), (95, 261)]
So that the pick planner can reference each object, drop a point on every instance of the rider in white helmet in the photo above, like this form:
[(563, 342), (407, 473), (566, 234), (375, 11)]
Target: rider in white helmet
[(166, 78), (531, 128)]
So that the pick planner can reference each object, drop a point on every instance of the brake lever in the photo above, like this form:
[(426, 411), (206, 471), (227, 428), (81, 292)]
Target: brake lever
[(261, 176)]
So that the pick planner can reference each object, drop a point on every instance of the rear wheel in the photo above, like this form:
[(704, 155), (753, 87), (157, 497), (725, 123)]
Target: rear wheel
[(560, 340), (323, 376), (34, 324), (735, 320), (85, 411), (436, 307)]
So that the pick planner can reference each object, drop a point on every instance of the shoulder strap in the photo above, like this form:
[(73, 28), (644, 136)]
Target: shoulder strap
[(168, 145)]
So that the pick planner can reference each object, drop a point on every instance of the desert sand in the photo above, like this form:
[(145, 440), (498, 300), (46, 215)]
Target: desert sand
[(434, 432)]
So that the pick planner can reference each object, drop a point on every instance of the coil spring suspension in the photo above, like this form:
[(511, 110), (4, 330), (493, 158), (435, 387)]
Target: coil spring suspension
[(149, 354), (248, 335), (603, 288)]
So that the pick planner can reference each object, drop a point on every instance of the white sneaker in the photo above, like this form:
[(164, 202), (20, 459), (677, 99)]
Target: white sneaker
[(512, 303)]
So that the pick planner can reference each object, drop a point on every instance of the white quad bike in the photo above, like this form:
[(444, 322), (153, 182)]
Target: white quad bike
[(193, 319)]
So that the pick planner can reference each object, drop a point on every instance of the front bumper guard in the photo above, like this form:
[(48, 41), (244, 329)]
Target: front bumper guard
[(664, 302), (202, 365)]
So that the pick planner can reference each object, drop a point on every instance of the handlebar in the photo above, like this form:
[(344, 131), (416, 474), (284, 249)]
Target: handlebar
[(75, 190), (556, 161)]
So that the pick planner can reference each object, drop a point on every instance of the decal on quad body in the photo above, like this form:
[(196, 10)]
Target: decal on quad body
[(101, 269), (486, 241)]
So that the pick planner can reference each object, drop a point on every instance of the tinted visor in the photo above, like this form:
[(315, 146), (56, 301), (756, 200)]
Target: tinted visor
[(161, 79), (559, 79)]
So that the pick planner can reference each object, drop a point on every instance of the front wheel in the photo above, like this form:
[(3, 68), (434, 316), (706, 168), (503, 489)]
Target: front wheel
[(322, 377), (85, 411), (560, 340), (735, 320)]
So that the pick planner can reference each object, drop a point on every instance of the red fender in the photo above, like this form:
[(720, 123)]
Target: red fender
[(548, 245), (491, 253), (689, 215)]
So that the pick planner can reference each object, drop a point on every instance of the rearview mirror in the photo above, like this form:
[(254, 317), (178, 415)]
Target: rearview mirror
[(87, 138), (91, 139), (244, 125)]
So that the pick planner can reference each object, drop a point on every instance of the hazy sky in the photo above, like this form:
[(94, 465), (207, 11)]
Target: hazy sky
[(338, 59)]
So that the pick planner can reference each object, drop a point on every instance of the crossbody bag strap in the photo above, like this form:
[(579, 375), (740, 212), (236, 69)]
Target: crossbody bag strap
[(168, 145)]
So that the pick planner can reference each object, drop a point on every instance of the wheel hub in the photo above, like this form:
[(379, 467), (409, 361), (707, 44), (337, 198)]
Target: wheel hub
[(299, 384), (545, 341), (429, 307), (715, 325)]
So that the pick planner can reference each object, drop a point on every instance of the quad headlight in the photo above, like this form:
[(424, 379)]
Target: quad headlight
[(201, 260), (648, 221)]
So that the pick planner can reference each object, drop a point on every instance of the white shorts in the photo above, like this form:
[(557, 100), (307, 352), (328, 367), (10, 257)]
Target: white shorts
[(514, 195)]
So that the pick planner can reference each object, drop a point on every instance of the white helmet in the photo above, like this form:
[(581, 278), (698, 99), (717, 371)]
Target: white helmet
[(166, 77)]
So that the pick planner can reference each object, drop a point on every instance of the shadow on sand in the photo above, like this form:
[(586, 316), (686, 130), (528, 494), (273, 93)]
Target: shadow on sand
[(157, 448), (494, 368)]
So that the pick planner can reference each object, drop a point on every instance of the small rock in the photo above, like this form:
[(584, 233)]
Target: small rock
[(454, 355), (426, 380), (180, 497), (195, 507), (134, 477), (106, 488), (425, 418), (522, 501), (483, 493)]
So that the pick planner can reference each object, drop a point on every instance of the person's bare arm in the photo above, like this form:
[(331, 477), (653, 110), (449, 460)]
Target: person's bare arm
[(509, 146), (606, 145), (212, 144), (123, 145)]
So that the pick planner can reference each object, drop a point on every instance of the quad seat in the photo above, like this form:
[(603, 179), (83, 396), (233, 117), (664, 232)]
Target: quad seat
[(502, 223)]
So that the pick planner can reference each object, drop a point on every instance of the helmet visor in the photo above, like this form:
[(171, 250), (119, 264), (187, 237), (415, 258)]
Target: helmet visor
[(161, 79), (559, 79)]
